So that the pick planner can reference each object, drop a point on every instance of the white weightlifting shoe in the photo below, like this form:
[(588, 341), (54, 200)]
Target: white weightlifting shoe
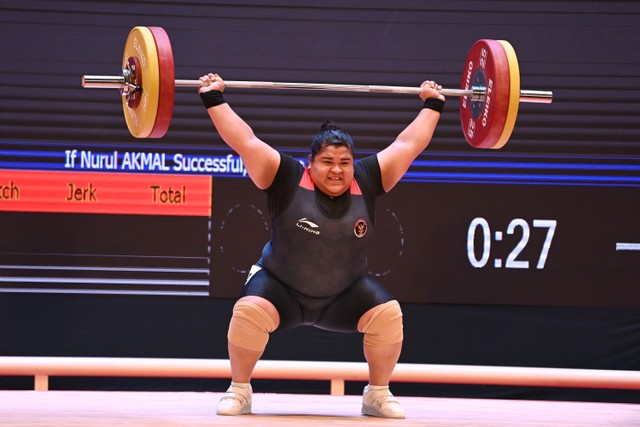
[(377, 401), (237, 400)]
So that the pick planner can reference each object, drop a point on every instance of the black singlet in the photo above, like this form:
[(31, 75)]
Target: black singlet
[(313, 268)]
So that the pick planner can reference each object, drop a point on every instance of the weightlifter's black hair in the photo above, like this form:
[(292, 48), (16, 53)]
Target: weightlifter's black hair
[(331, 134)]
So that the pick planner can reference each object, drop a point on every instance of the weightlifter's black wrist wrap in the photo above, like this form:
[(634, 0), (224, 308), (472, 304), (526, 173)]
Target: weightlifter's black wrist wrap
[(436, 104), (212, 98)]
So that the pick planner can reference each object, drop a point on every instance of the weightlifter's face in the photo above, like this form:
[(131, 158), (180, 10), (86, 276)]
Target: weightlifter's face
[(332, 169)]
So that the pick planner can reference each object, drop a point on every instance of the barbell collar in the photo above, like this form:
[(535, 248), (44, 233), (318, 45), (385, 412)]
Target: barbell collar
[(103, 82), (118, 82), (536, 96)]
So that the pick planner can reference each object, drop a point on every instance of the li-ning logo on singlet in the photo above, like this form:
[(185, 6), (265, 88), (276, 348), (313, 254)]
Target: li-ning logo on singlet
[(308, 226)]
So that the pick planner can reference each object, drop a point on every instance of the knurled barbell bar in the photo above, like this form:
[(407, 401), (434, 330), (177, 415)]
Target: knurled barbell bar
[(489, 95)]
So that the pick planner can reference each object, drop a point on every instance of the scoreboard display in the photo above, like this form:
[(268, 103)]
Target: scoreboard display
[(459, 229)]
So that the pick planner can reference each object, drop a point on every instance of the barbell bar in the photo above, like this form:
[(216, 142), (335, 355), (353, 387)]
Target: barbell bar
[(118, 82), (489, 94)]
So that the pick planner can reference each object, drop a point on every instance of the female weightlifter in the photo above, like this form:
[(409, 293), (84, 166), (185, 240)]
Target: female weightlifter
[(312, 271)]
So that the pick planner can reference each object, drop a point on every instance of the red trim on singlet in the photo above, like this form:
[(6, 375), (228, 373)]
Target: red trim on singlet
[(307, 183), (355, 188)]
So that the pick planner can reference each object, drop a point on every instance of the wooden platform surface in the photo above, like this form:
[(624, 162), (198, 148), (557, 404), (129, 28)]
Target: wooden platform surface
[(111, 408)]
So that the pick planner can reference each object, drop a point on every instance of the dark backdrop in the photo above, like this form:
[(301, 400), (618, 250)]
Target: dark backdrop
[(575, 162)]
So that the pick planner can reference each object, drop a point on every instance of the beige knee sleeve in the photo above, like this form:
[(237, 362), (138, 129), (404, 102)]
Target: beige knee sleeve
[(385, 325), (250, 326)]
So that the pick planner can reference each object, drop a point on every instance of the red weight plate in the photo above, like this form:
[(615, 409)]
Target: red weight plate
[(483, 120), (167, 82)]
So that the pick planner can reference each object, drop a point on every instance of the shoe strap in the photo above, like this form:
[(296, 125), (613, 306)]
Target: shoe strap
[(234, 395), (383, 398)]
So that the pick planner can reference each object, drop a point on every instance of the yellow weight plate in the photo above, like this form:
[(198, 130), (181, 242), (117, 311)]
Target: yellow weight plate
[(141, 119), (514, 94)]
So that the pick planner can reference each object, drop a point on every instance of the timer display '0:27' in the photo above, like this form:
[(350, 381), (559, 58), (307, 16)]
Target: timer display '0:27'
[(481, 225)]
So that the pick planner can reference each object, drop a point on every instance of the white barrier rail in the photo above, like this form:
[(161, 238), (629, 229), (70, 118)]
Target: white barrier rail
[(41, 368)]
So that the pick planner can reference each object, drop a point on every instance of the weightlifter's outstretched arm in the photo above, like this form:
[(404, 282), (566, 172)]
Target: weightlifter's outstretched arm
[(260, 159), (397, 157)]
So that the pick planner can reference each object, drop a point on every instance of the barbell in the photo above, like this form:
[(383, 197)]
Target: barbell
[(489, 89)]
